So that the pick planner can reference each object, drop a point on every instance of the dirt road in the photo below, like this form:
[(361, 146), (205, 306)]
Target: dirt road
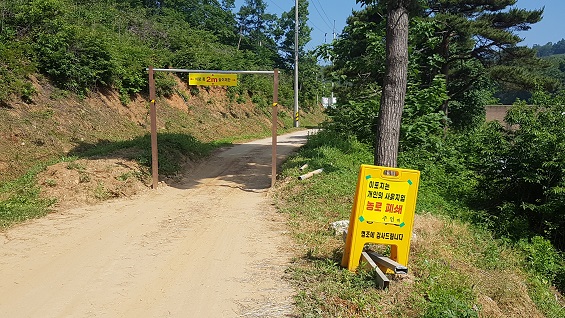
[(210, 245)]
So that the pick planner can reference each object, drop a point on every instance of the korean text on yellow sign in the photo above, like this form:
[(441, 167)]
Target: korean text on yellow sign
[(208, 79), (382, 213)]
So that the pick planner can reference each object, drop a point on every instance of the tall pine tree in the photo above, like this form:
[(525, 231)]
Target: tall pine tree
[(286, 30), (475, 36), (256, 25)]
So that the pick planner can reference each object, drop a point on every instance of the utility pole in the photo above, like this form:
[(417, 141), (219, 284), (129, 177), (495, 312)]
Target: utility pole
[(296, 123), (331, 103)]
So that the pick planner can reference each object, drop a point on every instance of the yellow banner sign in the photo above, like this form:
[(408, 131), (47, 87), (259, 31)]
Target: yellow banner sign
[(208, 79)]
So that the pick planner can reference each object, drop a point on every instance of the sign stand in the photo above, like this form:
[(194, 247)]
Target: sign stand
[(383, 213), (214, 81)]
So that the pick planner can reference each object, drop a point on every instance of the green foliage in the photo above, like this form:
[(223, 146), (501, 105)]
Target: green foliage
[(357, 56), (422, 122), (544, 260), (451, 269), (257, 26), (87, 45), (165, 84), (20, 200), (470, 44), (15, 67), (285, 33), (74, 59), (550, 48), (545, 298), (522, 171), (354, 118), (357, 61)]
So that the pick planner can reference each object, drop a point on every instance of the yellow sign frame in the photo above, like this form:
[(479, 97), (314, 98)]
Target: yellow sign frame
[(210, 79), (382, 213)]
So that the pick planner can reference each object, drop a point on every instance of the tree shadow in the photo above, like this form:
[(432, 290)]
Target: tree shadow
[(184, 162), (335, 257)]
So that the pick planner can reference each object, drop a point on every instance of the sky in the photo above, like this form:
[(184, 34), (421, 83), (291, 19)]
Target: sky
[(551, 28), (323, 13)]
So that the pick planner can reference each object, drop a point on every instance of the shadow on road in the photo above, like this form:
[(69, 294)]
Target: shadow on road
[(245, 166)]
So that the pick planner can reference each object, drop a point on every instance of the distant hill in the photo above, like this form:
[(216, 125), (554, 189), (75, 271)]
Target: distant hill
[(550, 48)]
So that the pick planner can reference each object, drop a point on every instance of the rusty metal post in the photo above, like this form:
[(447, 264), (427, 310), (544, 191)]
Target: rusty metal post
[(274, 129), (153, 114)]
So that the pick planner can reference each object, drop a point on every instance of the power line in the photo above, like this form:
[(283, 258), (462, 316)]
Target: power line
[(309, 22), (324, 11), (276, 5), (321, 15), (315, 27)]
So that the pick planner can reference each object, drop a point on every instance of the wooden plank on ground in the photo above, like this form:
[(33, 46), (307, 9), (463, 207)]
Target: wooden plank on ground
[(382, 280), (388, 263)]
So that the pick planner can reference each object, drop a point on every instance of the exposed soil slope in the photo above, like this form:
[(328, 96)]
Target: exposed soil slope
[(60, 124)]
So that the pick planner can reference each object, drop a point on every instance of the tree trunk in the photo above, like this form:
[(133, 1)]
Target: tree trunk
[(394, 87), (445, 71)]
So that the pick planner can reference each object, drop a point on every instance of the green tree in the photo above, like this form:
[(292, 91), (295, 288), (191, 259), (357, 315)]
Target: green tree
[(549, 48), (256, 28), (207, 15), (394, 83), (476, 35), (286, 30), (358, 67), (521, 175), (255, 23), (85, 45), (228, 5), (357, 55)]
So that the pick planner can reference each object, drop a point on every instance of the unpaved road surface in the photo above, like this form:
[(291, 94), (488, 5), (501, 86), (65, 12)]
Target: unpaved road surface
[(210, 245)]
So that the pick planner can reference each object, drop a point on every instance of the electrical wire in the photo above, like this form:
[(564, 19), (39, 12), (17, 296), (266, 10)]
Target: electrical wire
[(311, 24), (276, 5), (315, 7), (324, 11), (321, 16)]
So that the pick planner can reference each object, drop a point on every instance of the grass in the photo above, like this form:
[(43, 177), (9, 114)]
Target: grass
[(455, 269), (20, 200)]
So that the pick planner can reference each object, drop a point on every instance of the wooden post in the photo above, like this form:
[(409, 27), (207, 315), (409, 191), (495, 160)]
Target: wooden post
[(274, 128), (153, 114)]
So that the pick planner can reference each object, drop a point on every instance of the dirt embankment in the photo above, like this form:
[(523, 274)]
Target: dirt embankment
[(59, 124)]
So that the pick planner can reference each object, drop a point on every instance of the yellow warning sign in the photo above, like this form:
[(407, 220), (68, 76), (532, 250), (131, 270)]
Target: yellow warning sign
[(208, 79), (385, 200), (382, 213)]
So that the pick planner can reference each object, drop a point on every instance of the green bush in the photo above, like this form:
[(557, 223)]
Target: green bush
[(422, 123), (15, 67), (76, 60), (544, 260), (85, 45), (165, 84), (355, 119), (522, 175)]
